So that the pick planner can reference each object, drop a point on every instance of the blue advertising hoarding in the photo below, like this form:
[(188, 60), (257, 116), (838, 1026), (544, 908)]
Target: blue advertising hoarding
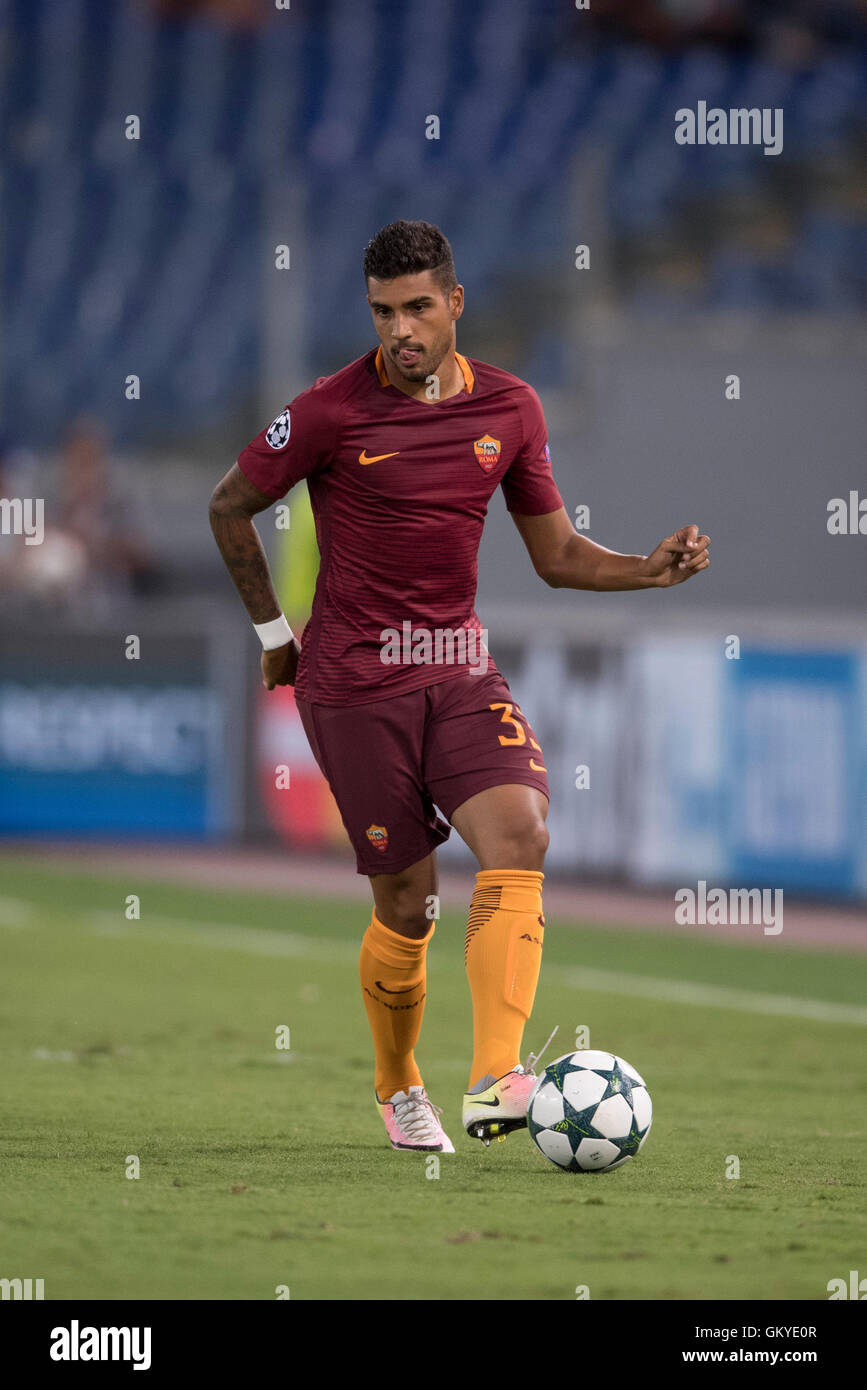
[(795, 770), (94, 744)]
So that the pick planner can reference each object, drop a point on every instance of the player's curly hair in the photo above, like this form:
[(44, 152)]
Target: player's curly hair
[(406, 248)]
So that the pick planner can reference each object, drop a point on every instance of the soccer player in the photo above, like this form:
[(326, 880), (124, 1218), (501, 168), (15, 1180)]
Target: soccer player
[(404, 711)]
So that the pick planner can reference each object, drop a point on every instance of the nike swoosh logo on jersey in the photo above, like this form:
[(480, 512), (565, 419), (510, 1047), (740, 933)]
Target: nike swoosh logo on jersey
[(364, 459), (381, 986), (535, 766)]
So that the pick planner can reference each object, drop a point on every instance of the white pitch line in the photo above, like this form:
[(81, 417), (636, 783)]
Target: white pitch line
[(254, 941), (712, 996), (260, 942)]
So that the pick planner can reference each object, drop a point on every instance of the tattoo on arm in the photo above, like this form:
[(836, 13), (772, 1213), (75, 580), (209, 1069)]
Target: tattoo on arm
[(234, 503)]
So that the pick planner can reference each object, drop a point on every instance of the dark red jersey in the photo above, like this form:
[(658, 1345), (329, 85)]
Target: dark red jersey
[(399, 489)]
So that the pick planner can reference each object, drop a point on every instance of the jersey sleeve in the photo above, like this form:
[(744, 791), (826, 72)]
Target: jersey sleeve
[(296, 444), (528, 483)]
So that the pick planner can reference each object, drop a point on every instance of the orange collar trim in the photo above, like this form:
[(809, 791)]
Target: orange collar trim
[(466, 369)]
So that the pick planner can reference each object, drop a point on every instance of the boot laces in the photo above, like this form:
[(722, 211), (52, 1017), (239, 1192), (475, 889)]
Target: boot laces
[(415, 1117), (529, 1066)]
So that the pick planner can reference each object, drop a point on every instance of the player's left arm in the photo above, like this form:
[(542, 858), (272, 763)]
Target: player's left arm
[(567, 560)]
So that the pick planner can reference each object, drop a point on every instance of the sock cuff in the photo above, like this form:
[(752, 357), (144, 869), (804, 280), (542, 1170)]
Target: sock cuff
[(401, 952), (516, 890), (519, 878)]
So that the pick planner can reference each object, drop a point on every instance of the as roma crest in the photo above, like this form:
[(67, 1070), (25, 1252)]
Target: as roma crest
[(487, 451), (378, 837)]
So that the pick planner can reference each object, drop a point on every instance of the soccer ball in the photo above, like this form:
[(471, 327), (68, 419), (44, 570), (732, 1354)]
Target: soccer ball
[(590, 1112)]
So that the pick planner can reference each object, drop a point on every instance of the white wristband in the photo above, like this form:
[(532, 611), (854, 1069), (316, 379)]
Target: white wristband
[(274, 634)]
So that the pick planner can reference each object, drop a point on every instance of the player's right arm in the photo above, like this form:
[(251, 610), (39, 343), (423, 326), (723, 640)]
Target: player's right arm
[(234, 503), (296, 445)]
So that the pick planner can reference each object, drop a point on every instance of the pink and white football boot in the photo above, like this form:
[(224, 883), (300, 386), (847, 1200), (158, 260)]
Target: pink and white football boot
[(412, 1122)]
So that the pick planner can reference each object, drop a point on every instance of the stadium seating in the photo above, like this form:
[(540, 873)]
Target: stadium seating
[(148, 256)]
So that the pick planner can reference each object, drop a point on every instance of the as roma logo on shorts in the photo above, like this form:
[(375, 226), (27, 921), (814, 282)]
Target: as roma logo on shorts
[(487, 451), (378, 837)]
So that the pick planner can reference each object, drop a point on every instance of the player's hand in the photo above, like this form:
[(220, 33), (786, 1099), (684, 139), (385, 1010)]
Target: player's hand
[(678, 557), (280, 666)]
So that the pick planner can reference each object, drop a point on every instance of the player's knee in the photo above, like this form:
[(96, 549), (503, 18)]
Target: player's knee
[(542, 837), (405, 920), (524, 845), (403, 906), (537, 841)]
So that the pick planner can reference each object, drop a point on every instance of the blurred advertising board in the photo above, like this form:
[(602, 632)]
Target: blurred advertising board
[(296, 798), (797, 776), (669, 761), (95, 744)]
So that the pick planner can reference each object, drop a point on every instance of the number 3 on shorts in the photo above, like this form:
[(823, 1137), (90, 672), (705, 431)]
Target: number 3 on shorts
[(520, 733)]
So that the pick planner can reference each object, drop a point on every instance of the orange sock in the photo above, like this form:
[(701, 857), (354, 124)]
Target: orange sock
[(393, 983), (503, 956)]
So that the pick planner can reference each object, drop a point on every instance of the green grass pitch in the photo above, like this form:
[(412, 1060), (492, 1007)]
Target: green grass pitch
[(261, 1168)]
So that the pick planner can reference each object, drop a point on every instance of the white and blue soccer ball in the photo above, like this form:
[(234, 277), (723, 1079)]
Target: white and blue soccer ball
[(590, 1112)]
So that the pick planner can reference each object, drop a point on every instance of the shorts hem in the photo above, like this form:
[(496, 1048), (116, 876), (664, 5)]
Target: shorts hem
[(404, 861), (486, 782)]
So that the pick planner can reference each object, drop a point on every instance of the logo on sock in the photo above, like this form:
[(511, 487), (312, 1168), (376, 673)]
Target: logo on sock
[(386, 990), (395, 1008)]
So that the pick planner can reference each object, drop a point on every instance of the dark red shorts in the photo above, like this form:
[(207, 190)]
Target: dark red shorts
[(392, 762)]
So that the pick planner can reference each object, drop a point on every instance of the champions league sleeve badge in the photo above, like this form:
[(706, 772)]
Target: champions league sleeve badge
[(278, 432)]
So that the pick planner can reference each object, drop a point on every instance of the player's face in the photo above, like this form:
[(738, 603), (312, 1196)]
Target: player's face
[(415, 321)]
